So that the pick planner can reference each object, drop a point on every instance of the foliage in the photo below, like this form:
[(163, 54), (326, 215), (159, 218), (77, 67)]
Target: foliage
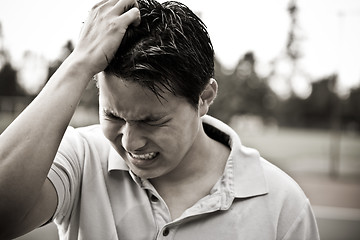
[(243, 92), (351, 110), (8, 82)]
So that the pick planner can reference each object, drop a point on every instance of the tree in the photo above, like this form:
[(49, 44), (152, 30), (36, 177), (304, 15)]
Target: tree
[(8, 81), (351, 115), (8, 74), (244, 92)]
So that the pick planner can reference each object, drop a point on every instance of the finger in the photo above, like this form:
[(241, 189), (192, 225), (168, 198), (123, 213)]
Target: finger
[(130, 17), (99, 4), (136, 4), (123, 6)]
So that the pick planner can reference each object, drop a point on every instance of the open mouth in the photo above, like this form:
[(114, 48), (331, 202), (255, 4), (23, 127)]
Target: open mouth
[(146, 156)]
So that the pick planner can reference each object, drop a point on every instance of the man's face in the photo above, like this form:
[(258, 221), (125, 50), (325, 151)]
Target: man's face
[(154, 138)]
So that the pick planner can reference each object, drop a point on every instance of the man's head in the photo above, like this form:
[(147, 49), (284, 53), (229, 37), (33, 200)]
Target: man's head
[(154, 92), (169, 50)]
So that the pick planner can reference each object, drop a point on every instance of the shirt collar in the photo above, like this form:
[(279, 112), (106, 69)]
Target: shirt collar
[(115, 161), (243, 169), (243, 166)]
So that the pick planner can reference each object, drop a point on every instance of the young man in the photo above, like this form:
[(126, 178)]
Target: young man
[(156, 167)]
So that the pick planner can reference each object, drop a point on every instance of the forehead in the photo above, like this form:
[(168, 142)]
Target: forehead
[(131, 100)]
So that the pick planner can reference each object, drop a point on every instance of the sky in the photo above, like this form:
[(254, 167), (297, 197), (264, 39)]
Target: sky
[(329, 33)]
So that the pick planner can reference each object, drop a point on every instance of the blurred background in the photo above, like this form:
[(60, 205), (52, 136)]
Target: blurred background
[(289, 79)]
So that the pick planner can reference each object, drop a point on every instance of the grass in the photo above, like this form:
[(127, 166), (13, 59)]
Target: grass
[(306, 149)]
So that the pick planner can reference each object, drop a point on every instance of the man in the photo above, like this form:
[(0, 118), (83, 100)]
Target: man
[(156, 167)]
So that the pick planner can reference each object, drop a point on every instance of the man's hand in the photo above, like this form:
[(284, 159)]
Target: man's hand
[(28, 199), (103, 31)]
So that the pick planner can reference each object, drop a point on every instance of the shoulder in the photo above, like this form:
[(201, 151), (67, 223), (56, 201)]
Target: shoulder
[(86, 135), (281, 185), (92, 132), (287, 199), (84, 142)]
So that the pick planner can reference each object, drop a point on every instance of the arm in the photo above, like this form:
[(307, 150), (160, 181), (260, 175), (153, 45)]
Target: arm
[(28, 146)]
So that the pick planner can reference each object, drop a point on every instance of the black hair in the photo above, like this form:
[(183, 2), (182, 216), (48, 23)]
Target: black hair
[(170, 50)]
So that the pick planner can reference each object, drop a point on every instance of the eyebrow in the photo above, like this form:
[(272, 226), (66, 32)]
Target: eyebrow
[(109, 111), (152, 118), (148, 118)]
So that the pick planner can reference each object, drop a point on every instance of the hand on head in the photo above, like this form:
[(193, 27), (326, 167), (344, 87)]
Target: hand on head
[(103, 31)]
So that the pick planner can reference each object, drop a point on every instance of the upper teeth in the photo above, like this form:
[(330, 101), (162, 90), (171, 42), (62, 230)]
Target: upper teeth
[(146, 156)]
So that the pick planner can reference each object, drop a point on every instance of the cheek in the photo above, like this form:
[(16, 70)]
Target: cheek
[(109, 130), (178, 139)]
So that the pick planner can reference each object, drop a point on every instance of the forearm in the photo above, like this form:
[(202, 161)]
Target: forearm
[(29, 144)]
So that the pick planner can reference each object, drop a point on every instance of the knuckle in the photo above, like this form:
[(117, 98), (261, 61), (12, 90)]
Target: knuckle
[(113, 26), (98, 4)]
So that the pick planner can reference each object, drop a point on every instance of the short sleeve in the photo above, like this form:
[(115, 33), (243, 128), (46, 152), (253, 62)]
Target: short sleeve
[(65, 173)]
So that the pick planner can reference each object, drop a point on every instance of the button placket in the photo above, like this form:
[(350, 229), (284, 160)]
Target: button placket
[(167, 232)]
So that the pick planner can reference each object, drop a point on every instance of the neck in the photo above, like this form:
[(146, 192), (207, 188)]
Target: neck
[(195, 176)]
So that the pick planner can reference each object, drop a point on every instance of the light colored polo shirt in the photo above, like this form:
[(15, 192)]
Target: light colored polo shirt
[(99, 198)]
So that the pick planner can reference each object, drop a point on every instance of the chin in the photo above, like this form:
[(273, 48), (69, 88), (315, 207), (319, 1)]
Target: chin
[(145, 174)]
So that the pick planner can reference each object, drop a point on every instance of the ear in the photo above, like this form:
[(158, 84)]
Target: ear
[(207, 97)]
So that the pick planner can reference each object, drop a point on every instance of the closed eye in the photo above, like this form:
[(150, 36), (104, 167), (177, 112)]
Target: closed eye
[(156, 123), (110, 115)]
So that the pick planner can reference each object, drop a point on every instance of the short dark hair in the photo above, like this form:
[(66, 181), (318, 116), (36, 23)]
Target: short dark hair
[(170, 49)]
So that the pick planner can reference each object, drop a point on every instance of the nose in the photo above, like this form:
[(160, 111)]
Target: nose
[(132, 139)]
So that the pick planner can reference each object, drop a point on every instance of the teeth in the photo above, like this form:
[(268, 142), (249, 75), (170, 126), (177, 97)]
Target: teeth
[(146, 156)]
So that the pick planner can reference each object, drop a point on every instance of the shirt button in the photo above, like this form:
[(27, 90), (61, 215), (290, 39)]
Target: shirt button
[(154, 198), (166, 232)]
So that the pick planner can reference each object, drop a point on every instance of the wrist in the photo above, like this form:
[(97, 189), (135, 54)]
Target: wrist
[(80, 65)]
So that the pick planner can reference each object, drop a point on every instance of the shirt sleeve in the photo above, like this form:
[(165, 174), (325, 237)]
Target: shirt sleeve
[(304, 227), (65, 173)]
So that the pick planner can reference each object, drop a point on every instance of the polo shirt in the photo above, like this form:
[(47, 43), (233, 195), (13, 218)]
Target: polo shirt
[(100, 198)]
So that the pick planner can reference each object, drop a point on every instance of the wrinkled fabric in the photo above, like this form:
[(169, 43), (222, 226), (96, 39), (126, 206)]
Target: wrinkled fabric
[(99, 198)]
